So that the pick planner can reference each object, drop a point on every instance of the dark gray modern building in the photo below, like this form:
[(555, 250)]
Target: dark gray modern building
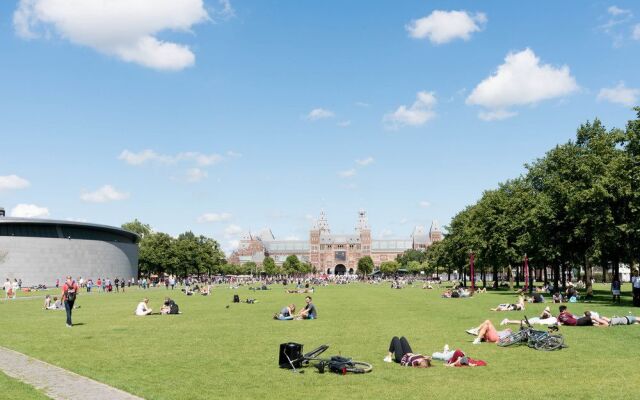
[(39, 251)]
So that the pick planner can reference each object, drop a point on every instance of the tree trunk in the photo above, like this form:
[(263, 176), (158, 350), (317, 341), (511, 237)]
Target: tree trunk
[(544, 272), (517, 276), (564, 276)]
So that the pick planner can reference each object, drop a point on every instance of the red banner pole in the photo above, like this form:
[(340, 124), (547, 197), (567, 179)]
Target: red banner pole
[(526, 273), (473, 273)]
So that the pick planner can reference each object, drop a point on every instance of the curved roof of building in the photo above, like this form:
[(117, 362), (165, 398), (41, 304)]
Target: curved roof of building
[(88, 226)]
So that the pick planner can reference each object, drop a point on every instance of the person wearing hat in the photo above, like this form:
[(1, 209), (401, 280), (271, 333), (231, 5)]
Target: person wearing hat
[(544, 319)]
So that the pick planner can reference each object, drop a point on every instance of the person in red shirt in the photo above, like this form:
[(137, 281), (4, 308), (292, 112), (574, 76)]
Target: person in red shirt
[(69, 294)]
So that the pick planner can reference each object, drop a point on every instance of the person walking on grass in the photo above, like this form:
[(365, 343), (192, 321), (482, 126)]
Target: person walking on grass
[(15, 288), (69, 294), (7, 289)]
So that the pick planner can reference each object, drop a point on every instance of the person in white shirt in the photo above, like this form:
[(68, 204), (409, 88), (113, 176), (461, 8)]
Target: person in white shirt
[(7, 288), (635, 282), (143, 308), (15, 286)]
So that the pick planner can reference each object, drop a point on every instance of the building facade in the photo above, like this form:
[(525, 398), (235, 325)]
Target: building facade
[(333, 253), (40, 251)]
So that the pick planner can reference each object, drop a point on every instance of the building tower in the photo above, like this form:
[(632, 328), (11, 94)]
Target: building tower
[(320, 227), (365, 233), (435, 234)]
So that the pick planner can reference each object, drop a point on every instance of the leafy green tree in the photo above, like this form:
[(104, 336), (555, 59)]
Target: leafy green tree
[(365, 266), (414, 267), (389, 267), (269, 266), (137, 227), (292, 265)]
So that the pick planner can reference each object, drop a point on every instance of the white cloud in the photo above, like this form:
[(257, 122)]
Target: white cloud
[(214, 217), (362, 104), (123, 28), (11, 182), (444, 26), (344, 124), (349, 173), (521, 80), (496, 115), (365, 161), (232, 230), (636, 32), (319, 113), (620, 94), (424, 204), (195, 175), (615, 11), (233, 154), (146, 156), (142, 157), (232, 245), (104, 194), (419, 113), (29, 211)]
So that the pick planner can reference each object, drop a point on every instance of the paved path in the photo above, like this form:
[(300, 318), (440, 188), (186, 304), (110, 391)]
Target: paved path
[(56, 382)]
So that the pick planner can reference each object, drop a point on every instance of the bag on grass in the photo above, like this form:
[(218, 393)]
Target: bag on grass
[(236, 298)]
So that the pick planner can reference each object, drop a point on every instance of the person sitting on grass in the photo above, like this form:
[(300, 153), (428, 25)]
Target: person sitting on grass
[(459, 359), (143, 308), (286, 313), (205, 290), (169, 307), (401, 353), (566, 318), (309, 310), (447, 294), (557, 297), (519, 306), (488, 333), (544, 319), (55, 305), (47, 301)]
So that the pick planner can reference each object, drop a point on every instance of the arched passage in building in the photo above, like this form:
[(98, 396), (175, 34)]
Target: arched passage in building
[(328, 271), (340, 269), (350, 271)]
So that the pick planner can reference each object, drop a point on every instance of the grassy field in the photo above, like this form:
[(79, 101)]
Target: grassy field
[(211, 351), (14, 389)]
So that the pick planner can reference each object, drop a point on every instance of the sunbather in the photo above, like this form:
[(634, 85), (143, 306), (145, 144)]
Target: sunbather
[(488, 333), (519, 306), (544, 319), (400, 352), (143, 308)]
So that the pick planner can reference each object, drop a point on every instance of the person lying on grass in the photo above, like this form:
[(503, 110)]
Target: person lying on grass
[(544, 319), (286, 313), (566, 318), (169, 307), (628, 320), (459, 359), (486, 332), (401, 353), (143, 308), (519, 306), (309, 310)]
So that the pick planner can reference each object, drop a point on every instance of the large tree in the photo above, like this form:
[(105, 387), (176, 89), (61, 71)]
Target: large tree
[(365, 266)]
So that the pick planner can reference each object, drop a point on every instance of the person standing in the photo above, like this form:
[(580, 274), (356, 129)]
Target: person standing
[(635, 282), (615, 290), (69, 295), (7, 288), (15, 287)]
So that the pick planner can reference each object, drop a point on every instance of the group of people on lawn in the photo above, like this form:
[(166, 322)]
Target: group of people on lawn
[(168, 307), (289, 312)]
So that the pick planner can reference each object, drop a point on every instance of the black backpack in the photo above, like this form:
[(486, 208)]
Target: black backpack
[(337, 364), (236, 298), (71, 292)]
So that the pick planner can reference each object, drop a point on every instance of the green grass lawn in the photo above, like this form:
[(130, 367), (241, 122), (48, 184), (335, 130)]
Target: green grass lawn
[(211, 351), (14, 389)]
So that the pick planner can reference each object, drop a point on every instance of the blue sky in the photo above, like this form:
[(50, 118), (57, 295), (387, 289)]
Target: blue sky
[(225, 116)]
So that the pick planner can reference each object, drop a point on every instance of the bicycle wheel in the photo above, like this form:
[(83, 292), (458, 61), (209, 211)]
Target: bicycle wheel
[(360, 367), (514, 338), (550, 343)]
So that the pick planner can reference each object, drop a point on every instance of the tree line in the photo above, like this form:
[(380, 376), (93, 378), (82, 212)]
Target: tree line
[(575, 208)]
